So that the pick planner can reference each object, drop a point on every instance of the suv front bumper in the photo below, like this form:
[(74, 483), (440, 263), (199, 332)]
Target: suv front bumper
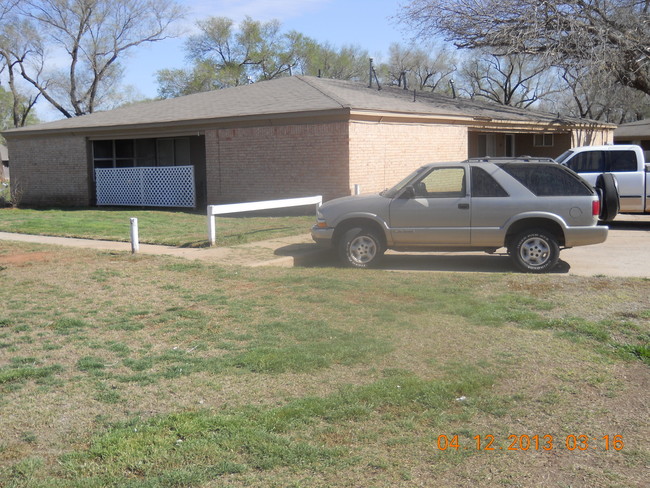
[(322, 235)]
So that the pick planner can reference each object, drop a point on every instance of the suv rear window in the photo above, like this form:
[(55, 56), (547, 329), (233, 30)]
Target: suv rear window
[(483, 185), (548, 180)]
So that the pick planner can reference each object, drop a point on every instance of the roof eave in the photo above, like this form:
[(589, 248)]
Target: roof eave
[(475, 121), (180, 125)]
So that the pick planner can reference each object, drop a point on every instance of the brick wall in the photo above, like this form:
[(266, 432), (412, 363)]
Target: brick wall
[(266, 163), (382, 154), (50, 170)]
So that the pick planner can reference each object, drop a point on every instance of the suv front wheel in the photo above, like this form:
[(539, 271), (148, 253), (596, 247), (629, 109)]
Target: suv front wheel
[(535, 251), (360, 248)]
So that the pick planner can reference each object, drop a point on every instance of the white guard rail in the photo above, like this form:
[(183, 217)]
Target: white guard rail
[(214, 210)]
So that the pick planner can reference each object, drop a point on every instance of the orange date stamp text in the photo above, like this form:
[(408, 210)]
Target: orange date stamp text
[(525, 442)]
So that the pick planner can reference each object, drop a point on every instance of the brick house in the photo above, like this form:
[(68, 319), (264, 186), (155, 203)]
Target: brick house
[(289, 137), (634, 133)]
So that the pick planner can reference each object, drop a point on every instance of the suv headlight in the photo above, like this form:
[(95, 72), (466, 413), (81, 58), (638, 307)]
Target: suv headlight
[(320, 220)]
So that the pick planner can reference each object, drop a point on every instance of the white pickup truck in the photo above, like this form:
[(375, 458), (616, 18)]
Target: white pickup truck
[(626, 162)]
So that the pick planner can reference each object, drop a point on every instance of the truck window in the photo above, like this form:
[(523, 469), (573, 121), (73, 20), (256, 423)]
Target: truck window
[(620, 161), (588, 162)]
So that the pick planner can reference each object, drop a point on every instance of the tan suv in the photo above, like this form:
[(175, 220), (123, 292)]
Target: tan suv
[(531, 207)]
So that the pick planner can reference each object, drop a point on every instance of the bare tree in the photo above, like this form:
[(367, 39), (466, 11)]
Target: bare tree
[(17, 42), (6, 6), (612, 36), (597, 96), (92, 35), (515, 80), (422, 68)]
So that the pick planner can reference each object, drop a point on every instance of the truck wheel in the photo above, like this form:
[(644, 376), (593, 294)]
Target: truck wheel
[(607, 188), (535, 251), (360, 248)]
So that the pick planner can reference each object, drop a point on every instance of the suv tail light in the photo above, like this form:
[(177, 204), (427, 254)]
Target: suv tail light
[(595, 208)]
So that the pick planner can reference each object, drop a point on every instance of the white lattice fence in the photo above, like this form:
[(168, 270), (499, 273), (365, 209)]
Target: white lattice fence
[(163, 186)]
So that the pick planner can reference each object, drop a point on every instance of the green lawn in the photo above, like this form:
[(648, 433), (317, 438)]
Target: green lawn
[(122, 370), (173, 228)]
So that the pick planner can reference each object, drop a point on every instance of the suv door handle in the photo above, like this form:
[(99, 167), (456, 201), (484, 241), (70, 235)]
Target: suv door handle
[(463, 206)]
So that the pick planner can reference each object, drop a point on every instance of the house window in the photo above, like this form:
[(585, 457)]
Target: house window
[(543, 140)]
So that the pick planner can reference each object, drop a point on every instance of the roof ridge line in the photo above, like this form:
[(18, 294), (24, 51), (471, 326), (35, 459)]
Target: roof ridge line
[(328, 95)]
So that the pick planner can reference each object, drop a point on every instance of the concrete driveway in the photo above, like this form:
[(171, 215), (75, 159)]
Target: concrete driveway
[(626, 253)]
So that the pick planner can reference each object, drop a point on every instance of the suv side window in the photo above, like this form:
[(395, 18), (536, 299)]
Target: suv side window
[(588, 162), (622, 161), (442, 183), (484, 185), (548, 180)]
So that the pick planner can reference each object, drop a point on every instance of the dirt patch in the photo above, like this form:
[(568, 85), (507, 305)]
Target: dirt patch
[(25, 258)]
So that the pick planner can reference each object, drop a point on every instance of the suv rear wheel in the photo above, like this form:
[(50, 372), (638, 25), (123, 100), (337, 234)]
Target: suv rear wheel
[(535, 251), (360, 248)]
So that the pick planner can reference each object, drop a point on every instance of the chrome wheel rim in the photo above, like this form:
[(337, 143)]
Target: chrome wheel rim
[(363, 249), (535, 251)]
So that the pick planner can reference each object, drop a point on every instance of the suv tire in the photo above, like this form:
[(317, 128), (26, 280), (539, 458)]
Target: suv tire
[(607, 189), (360, 248), (535, 251)]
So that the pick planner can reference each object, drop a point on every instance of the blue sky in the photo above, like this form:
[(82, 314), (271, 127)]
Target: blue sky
[(366, 23)]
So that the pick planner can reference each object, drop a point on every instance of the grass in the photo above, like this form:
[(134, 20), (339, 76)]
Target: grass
[(172, 228), (121, 370)]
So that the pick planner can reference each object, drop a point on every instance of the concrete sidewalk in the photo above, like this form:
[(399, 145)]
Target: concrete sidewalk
[(283, 251)]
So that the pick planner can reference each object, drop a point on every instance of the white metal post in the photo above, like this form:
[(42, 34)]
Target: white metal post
[(212, 227), (357, 189), (135, 240)]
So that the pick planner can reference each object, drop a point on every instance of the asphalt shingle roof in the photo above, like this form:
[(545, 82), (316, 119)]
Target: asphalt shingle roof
[(287, 96), (634, 129)]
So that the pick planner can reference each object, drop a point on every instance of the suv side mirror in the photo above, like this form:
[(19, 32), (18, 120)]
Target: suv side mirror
[(409, 192)]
